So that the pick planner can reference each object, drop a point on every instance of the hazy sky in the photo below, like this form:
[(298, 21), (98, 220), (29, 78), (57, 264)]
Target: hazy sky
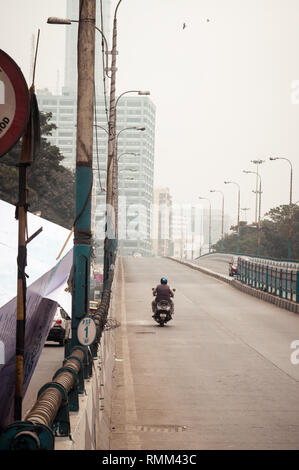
[(222, 88)]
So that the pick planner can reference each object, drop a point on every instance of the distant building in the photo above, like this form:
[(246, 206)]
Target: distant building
[(136, 174), (162, 223), (187, 234)]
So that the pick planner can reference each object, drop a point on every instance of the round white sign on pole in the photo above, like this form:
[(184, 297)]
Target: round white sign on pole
[(87, 331), (14, 103)]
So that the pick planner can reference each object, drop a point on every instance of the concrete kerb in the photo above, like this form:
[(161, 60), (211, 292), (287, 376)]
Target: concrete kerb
[(90, 426), (266, 296)]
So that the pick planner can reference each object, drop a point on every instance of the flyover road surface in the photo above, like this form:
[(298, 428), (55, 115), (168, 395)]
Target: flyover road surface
[(218, 262), (219, 376)]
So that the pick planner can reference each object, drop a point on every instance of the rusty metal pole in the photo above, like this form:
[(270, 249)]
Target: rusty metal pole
[(110, 244)]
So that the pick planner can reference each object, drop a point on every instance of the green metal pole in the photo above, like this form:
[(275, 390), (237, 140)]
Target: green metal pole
[(259, 276), (85, 110)]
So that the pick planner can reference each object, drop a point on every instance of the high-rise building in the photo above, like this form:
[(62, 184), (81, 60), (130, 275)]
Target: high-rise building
[(162, 223), (135, 175)]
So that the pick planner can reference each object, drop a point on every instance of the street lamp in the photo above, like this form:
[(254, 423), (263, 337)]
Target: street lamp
[(210, 221), (238, 217), (127, 153), (257, 163), (290, 208), (222, 224), (259, 216), (136, 128), (67, 21), (245, 209), (140, 93)]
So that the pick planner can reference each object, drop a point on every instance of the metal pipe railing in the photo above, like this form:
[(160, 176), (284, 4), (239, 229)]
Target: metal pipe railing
[(48, 403), (49, 416)]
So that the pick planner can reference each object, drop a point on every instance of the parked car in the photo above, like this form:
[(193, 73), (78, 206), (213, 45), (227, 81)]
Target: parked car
[(233, 266), (61, 327)]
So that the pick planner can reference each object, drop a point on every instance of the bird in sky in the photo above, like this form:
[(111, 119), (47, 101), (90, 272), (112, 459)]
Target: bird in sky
[(207, 20)]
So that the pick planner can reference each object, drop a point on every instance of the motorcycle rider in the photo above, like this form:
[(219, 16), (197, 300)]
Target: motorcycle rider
[(163, 292)]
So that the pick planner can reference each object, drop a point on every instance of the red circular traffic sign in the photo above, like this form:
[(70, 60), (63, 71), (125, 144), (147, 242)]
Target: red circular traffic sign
[(14, 103)]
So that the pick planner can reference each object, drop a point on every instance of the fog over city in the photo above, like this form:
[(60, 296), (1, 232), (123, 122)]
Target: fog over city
[(149, 236), (223, 75)]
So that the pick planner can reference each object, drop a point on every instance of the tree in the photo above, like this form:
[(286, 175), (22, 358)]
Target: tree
[(248, 240), (51, 185), (274, 235)]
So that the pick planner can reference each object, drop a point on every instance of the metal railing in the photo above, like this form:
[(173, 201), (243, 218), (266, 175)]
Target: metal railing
[(272, 276)]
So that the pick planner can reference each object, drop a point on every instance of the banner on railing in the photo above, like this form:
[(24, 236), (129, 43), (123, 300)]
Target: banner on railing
[(40, 310)]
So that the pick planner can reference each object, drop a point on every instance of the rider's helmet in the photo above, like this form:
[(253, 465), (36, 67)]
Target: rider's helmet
[(163, 280)]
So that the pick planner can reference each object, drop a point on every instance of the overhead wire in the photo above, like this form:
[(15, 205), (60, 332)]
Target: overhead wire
[(105, 99), (103, 61)]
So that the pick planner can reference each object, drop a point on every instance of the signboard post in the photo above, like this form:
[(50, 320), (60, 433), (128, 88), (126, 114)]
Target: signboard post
[(87, 331)]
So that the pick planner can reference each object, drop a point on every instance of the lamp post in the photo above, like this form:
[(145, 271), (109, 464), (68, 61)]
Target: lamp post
[(238, 216), (67, 21), (136, 128), (210, 221), (140, 92), (245, 209), (290, 205), (110, 243), (127, 153), (257, 163), (259, 212), (222, 217)]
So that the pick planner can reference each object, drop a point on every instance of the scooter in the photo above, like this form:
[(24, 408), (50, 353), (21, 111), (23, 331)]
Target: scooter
[(162, 314)]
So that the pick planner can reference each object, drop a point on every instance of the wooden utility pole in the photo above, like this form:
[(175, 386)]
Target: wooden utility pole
[(84, 148)]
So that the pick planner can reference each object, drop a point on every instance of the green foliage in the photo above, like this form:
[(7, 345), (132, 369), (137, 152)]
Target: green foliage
[(51, 186), (274, 235)]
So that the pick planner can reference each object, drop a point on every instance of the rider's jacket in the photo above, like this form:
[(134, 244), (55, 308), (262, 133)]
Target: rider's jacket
[(163, 292)]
